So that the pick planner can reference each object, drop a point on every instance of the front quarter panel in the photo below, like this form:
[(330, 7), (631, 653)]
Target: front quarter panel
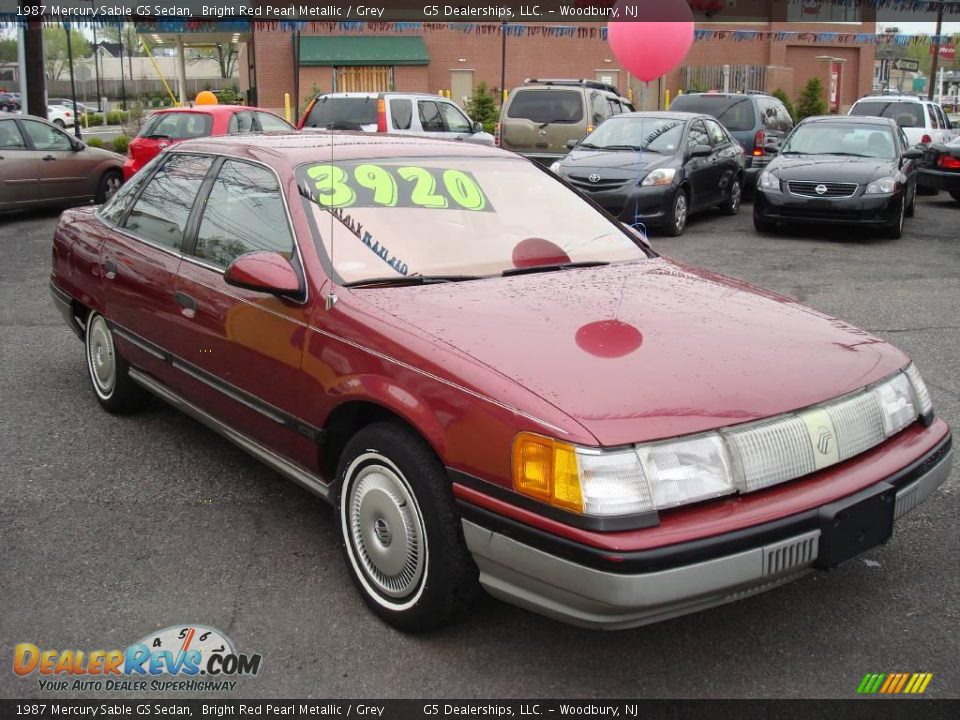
[(77, 241)]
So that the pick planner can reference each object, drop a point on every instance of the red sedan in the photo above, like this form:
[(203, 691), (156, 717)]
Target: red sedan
[(168, 127), (494, 382)]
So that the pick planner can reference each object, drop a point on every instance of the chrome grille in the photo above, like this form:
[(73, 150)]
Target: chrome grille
[(583, 182), (831, 189)]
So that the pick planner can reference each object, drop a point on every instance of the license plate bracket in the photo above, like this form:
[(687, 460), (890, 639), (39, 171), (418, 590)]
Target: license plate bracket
[(851, 526)]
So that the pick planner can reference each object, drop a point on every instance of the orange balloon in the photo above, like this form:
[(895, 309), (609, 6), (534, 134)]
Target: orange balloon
[(205, 97)]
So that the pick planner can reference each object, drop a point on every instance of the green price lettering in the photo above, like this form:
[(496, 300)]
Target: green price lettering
[(464, 190), (376, 178), (424, 192), (332, 187)]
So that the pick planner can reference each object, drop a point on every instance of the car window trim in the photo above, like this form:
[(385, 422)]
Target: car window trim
[(189, 244), (457, 109), (27, 141), (29, 138)]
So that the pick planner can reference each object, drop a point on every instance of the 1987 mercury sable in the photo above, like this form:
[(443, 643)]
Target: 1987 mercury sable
[(494, 382)]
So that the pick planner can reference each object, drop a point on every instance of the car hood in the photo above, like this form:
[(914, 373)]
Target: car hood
[(647, 350), (612, 164), (832, 168)]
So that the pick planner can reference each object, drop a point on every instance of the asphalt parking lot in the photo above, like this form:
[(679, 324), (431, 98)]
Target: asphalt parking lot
[(113, 527)]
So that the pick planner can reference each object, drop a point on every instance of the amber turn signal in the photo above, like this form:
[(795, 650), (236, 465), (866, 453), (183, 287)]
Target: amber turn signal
[(547, 470)]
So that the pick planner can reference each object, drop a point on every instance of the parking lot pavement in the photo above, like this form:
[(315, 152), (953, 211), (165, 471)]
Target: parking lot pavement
[(112, 527)]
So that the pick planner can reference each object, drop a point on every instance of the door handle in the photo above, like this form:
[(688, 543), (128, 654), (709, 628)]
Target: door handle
[(49, 158), (110, 269), (188, 306)]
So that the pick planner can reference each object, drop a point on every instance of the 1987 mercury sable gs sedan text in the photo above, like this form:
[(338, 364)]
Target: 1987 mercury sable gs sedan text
[(494, 382)]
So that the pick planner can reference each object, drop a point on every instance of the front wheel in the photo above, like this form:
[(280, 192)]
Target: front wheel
[(912, 207), (955, 194), (109, 375), (677, 220), (761, 225), (401, 538), (732, 204), (895, 231), (110, 182)]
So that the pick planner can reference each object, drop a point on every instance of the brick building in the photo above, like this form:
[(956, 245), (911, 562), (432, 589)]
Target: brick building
[(456, 57)]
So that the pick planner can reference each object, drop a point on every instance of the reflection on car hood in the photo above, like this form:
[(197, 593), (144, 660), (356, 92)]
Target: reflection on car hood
[(831, 168), (612, 164), (647, 350)]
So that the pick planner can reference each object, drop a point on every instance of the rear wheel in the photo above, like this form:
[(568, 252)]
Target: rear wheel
[(109, 375), (402, 540), (109, 184), (679, 209), (732, 204), (59, 123)]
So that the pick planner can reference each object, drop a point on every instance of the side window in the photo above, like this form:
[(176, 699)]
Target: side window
[(160, 213), (45, 137), (456, 120), (697, 135), (401, 113), (10, 137), (786, 122), (244, 213), (599, 108), (615, 108), (768, 115), (267, 122), (944, 121), (716, 134), (932, 116), (904, 143), (241, 122), (430, 116), (113, 210)]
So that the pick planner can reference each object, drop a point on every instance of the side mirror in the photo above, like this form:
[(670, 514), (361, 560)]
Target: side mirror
[(571, 144), (476, 127), (913, 153), (261, 271), (701, 151), (76, 145)]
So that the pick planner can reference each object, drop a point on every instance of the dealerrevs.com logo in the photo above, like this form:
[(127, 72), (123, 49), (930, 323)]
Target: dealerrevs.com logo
[(183, 657)]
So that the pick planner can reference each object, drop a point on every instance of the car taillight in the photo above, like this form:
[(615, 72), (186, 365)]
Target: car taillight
[(496, 135), (381, 115), (759, 139), (949, 162), (926, 140)]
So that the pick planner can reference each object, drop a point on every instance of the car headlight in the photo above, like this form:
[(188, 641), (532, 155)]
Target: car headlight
[(662, 176), (653, 476), (768, 181), (883, 186), (555, 167)]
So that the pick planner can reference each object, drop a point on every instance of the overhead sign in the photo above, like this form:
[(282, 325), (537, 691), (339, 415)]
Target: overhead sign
[(906, 64), (947, 52)]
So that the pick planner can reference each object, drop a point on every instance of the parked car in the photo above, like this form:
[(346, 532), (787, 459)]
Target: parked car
[(759, 122), (923, 121), (541, 117), (168, 127), (657, 168), (60, 116), (40, 165), (940, 167), (642, 439), (9, 102), (393, 112), (837, 170), (77, 109)]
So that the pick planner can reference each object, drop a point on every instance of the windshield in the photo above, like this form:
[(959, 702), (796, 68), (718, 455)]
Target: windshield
[(734, 113), (841, 138), (547, 106), (905, 113), (353, 111), (179, 125), (404, 217), (653, 134)]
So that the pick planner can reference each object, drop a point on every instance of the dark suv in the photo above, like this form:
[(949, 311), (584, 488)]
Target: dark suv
[(759, 122)]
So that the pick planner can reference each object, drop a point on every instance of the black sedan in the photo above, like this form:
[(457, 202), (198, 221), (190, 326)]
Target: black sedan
[(940, 168), (840, 170), (657, 168)]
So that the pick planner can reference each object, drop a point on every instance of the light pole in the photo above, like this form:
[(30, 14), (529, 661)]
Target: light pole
[(503, 63), (936, 52), (73, 83)]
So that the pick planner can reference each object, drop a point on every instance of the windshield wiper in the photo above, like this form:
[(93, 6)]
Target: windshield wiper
[(551, 122), (157, 136), (625, 147), (410, 280), (552, 267)]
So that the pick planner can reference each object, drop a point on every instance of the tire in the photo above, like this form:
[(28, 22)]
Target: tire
[(761, 225), (912, 207), (110, 182), (731, 206), (895, 231), (680, 209), (108, 371), (59, 123), (392, 492), (955, 194)]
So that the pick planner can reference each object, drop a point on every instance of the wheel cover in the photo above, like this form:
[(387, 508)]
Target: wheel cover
[(735, 196), (113, 184), (385, 531), (101, 356), (680, 211)]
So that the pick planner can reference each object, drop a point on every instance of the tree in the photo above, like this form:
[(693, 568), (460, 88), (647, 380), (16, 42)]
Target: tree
[(782, 97), (482, 107), (8, 50), (811, 100), (224, 53), (125, 33), (55, 49)]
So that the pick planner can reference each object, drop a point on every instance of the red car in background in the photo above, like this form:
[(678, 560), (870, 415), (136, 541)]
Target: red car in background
[(167, 127), (494, 382)]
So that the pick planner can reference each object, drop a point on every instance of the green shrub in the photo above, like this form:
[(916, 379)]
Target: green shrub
[(482, 107), (91, 119), (95, 142), (116, 117), (811, 100), (120, 144), (782, 97)]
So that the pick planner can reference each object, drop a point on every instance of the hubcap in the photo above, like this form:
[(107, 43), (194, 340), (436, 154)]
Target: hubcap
[(113, 184), (680, 211), (103, 366), (386, 531), (735, 196)]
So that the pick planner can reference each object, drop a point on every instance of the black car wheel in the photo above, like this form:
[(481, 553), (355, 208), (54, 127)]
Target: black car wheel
[(895, 230), (912, 207), (679, 209), (955, 194), (761, 225), (732, 204), (59, 123)]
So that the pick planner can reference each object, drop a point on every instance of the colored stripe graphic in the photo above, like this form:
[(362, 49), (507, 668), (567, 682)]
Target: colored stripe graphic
[(894, 683)]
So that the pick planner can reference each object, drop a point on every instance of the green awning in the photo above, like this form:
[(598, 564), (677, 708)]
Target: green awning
[(342, 51)]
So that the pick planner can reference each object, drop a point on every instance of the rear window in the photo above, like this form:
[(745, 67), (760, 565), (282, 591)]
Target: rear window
[(179, 125), (547, 106), (906, 114), (342, 113), (734, 113)]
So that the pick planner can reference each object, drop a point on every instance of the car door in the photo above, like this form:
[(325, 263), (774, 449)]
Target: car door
[(400, 112), (19, 178), (63, 174), (701, 172), (726, 155), (431, 120), (242, 348), (141, 258), (907, 167)]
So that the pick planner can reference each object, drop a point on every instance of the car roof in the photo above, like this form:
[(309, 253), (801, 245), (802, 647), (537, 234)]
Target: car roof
[(859, 119), (293, 149), (725, 95), (894, 98), (391, 93), (665, 114), (213, 109)]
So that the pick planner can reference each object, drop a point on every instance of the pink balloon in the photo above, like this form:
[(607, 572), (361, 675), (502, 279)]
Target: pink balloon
[(655, 39)]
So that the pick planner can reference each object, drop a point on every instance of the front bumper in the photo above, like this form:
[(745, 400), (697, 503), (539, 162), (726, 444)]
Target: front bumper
[(874, 210), (650, 205), (939, 179), (589, 597)]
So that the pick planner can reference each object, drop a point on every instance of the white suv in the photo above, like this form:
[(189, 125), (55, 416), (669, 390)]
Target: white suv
[(923, 121), (393, 112)]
